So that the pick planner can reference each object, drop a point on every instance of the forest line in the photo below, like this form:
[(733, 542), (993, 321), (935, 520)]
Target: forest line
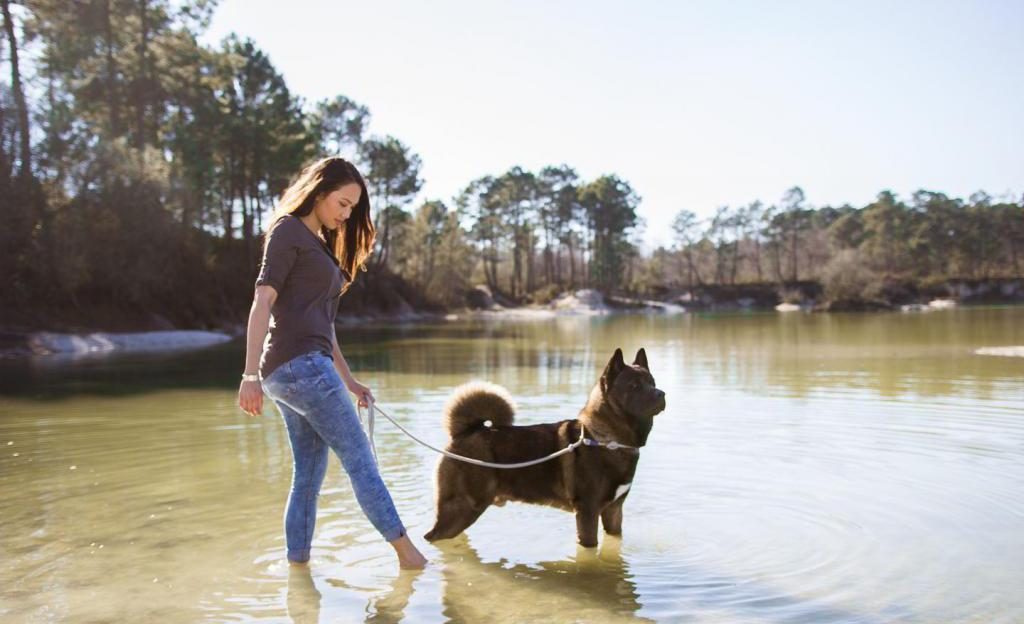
[(137, 167)]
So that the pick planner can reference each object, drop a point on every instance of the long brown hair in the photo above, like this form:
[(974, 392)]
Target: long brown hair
[(354, 245)]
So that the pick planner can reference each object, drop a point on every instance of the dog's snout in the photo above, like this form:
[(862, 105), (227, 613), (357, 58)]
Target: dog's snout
[(660, 398)]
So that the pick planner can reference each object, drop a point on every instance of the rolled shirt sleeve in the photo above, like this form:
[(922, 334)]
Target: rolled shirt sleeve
[(278, 256)]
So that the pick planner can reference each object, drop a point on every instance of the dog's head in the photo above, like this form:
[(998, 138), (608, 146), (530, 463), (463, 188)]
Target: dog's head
[(630, 387)]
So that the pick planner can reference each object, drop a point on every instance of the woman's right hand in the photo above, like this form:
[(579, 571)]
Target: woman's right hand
[(250, 398)]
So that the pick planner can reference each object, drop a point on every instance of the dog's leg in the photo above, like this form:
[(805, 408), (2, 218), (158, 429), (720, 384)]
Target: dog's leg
[(611, 517), (454, 516), (586, 526)]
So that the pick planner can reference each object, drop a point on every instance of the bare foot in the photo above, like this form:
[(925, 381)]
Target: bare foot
[(409, 558)]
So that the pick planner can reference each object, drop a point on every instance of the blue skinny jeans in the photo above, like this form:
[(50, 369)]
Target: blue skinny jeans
[(320, 415)]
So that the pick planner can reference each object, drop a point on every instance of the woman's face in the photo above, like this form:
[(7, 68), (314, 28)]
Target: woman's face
[(336, 207)]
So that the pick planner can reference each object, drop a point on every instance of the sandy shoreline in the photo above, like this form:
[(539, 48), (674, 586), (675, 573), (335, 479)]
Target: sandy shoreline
[(97, 344), (77, 345)]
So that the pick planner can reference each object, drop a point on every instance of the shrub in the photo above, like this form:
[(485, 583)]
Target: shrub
[(545, 294), (846, 277)]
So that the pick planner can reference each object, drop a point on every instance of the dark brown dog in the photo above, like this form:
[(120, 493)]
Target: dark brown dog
[(591, 481)]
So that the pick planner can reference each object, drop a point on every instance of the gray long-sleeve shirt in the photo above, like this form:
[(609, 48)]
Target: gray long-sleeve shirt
[(308, 281)]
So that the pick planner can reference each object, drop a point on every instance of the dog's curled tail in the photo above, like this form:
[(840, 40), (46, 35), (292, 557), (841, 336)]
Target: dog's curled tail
[(474, 403)]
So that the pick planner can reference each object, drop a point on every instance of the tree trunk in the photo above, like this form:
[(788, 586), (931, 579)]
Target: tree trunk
[(491, 266), (572, 265), (19, 94), (141, 82), (793, 256), (228, 209), (382, 253), (757, 260), (112, 100), (517, 263), (247, 231), (530, 279), (56, 153), (777, 248), (6, 171), (689, 271), (558, 265), (735, 261)]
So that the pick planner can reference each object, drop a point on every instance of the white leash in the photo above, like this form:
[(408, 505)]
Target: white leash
[(369, 428), (572, 447)]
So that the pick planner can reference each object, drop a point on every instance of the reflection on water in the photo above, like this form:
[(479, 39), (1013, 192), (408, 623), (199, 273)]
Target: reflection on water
[(303, 596), (927, 354), (390, 607), (593, 585), (860, 468)]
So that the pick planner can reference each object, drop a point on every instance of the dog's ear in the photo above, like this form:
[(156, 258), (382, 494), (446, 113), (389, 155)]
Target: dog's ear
[(612, 370), (641, 360)]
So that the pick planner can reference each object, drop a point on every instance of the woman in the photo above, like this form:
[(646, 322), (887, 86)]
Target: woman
[(319, 238)]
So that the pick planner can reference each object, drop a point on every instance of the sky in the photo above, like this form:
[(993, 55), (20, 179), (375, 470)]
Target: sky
[(696, 104)]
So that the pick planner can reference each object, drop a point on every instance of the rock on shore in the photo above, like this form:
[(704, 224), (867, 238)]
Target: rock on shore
[(47, 343), (1016, 351)]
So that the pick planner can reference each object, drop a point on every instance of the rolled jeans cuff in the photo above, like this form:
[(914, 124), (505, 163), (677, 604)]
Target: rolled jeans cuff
[(394, 534)]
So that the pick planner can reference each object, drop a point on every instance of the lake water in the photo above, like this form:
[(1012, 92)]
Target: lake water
[(808, 468)]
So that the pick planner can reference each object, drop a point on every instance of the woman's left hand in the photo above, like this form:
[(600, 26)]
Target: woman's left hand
[(362, 392)]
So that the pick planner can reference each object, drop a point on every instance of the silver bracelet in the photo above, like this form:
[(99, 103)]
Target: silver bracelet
[(252, 377)]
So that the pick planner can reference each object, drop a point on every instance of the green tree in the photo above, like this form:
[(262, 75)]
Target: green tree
[(264, 139), (1009, 221), (748, 221), (932, 224), (339, 125), (392, 172), (723, 231), (847, 231), (516, 195), (488, 229), (559, 193), (793, 221), (610, 205), (687, 232), (435, 256), (886, 227), (21, 104)]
